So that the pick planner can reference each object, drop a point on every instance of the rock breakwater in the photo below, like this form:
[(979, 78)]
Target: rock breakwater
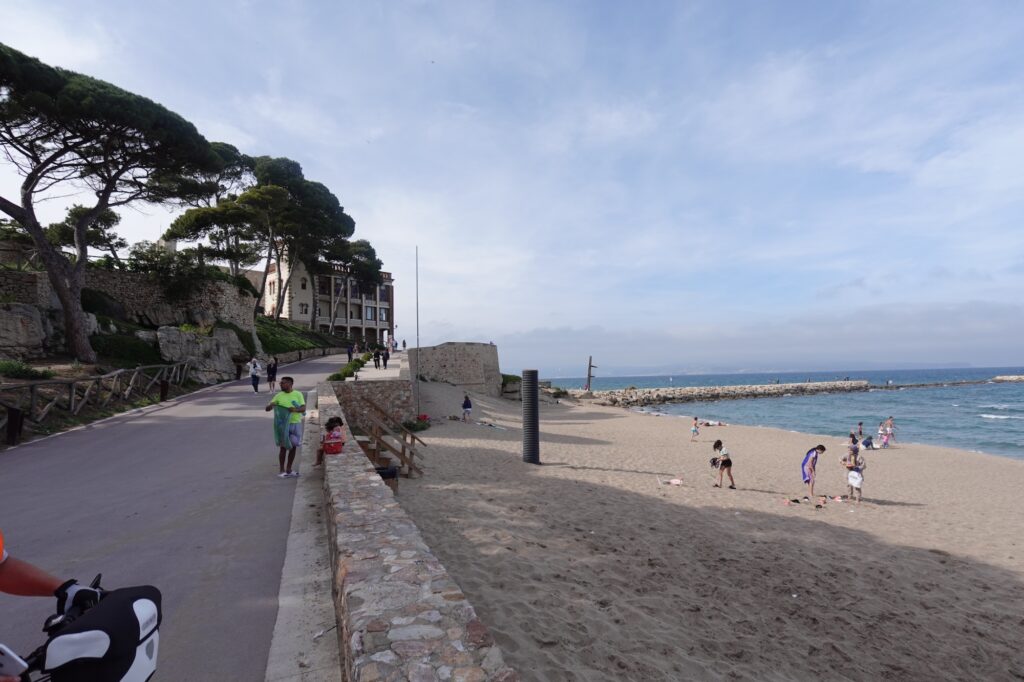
[(1009, 378), (641, 397)]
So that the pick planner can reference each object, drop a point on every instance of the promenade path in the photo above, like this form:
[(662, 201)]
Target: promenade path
[(184, 496)]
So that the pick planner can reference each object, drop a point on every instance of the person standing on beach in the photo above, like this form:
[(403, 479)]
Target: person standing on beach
[(694, 430), (724, 464), (860, 430), (807, 469), (890, 429), (467, 408), (855, 465), (288, 406)]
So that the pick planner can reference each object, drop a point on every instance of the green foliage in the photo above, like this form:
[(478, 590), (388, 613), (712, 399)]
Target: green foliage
[(125, 351), (16, 369), (417, 424), (507, 379), (559, 393), (10, 231), (181, 273), (100, 234), (282, 337)]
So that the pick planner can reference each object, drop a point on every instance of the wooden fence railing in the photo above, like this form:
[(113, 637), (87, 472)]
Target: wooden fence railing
[(36, 400)]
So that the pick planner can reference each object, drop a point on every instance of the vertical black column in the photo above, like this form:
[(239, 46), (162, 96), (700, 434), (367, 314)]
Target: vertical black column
[(531, 418)]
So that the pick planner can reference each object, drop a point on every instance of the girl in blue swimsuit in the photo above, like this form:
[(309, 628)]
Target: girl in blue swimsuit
[(807, 469)]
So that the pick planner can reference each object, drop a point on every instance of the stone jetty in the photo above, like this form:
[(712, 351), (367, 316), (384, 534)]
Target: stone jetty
[(641, 397), (1009, 377)]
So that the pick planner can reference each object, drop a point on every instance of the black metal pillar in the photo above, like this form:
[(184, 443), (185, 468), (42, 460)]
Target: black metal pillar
[(531, 418), (165, 387), (15, 422)]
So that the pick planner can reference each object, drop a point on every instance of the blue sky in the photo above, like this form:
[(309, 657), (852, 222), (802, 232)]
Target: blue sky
[(687, 186)]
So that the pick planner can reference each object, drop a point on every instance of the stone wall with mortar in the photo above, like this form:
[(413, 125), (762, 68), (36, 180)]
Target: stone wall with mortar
[(473, 366), (18, 286), (400, 615), (143, 299), (393, 395)]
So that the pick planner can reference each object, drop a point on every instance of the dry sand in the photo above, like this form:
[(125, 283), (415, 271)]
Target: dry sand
[(587, 568)]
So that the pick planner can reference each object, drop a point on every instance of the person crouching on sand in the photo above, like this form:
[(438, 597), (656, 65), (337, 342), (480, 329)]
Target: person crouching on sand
[(807, 468), (724, 465)]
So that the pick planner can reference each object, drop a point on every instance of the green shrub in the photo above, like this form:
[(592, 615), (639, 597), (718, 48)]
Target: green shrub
[(337, 376), (417, 424), (282, 337), (16, 369), (507, 379), (559, 393), (125, 351)]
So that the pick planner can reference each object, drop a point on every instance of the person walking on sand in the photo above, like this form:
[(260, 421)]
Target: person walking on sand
[(855, 464), (272, 373), (724, 464), (467, 408), (288, 406), (694, 430), (254, 373), (807, 469)]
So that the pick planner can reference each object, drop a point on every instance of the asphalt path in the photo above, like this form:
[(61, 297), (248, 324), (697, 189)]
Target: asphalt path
[(184, 496)]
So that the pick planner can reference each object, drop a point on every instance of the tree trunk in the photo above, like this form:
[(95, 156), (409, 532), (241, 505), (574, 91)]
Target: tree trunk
[(67, 281), (263, 281), (316, 301)]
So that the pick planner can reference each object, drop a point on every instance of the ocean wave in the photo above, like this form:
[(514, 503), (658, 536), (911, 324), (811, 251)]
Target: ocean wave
[(1000, 416)]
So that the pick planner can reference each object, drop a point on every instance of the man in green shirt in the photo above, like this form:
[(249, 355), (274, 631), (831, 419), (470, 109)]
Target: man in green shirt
[(288, 406)]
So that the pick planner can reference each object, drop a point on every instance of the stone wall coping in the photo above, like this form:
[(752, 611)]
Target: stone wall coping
[(400, 614)]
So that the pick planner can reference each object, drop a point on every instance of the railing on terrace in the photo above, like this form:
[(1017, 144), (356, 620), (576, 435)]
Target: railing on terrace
[(34, 401)]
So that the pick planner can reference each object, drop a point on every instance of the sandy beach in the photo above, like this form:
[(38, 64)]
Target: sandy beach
[(588, 568)]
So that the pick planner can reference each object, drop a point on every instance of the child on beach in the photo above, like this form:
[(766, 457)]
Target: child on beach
[(724, 464), (855, 465), (694, 430), (332, 440), (807, 469)]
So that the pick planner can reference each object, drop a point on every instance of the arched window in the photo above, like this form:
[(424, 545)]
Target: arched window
[(302, 283)]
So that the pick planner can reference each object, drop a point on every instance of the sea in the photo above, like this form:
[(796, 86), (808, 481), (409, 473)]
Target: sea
[(984, 417)]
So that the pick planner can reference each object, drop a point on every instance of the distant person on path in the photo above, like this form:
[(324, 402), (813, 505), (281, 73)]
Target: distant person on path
[(724, 464), (288, 406), (254, 373), (272, 373), (349, 352), (385, 356), (403, 344), (694, 430), (855, 465), (807, 469), (467, 408), (376, 359)]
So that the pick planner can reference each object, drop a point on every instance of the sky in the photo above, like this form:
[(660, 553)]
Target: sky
[(666, 186)]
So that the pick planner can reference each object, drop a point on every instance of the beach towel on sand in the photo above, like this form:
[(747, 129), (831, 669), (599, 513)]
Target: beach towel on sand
[(281, 418)]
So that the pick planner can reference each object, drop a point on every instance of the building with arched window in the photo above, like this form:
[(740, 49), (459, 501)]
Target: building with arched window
[(335, 300)]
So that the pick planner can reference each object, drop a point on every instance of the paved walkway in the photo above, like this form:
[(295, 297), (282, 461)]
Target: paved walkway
[(183, 496)]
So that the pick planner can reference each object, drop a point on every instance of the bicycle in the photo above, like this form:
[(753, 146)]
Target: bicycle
[(117, 639)]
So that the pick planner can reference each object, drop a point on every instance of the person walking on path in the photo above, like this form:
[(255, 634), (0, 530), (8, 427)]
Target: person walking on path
[(724, 465), (254, 373), (288, 406), (807, 469), (403, 345), (467, 408), (385, 356), (348, 350), (272, 373), (376, 359)]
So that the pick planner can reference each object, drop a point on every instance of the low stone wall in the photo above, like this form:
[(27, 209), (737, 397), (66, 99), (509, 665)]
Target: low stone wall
[(400, 615), (393, 395), (296, 355), (19, 286), (684, 394), (473, 366)]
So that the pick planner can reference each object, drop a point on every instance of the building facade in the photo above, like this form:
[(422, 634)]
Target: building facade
[(362, 315)]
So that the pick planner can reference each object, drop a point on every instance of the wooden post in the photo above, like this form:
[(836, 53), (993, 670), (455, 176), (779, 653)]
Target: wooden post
[(590, 375)]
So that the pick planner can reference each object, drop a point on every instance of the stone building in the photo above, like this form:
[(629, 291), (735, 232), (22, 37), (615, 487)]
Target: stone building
[(362, 315)]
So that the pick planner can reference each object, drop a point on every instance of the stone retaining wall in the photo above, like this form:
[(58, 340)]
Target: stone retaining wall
[(472, 366), (400, 615), (19, 286), (684, 394), (393, 395)]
